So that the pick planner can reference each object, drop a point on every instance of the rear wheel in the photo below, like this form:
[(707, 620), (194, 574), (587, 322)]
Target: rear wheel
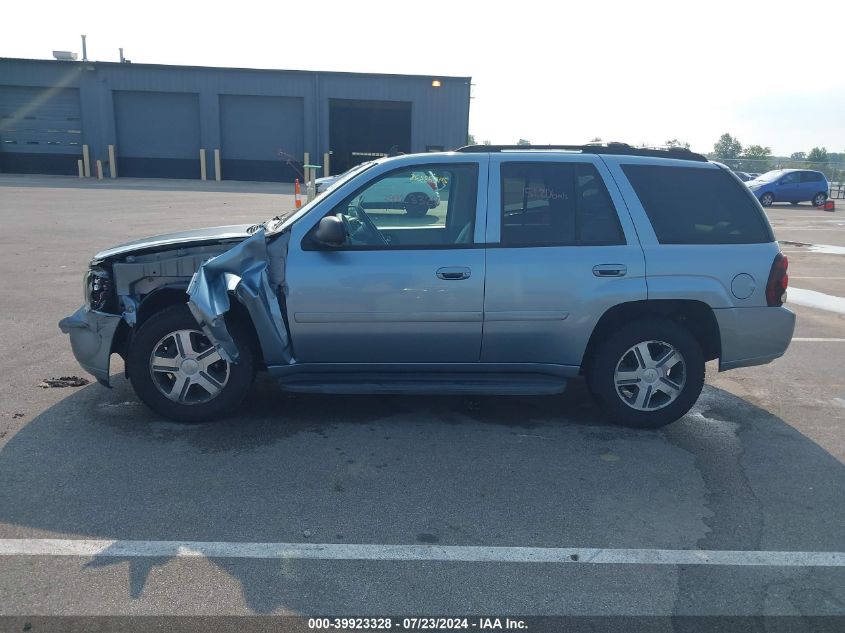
[(178, 373), (767, 199), (819, 199), (647, 374)]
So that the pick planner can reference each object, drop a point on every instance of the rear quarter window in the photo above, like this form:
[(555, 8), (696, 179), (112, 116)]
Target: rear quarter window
[(688, 205)]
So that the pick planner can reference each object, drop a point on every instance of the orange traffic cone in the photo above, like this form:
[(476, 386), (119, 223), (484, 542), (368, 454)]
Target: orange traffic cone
[(296, 193)]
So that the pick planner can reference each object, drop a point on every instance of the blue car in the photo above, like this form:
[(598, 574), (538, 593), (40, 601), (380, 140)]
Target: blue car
[(790, 185)]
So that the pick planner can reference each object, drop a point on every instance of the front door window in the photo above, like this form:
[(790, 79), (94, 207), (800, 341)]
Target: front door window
[(412, 207)]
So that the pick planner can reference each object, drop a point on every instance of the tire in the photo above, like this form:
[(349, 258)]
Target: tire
[(767, 199), (208, 373), (416, 205), (819, 199), (655, 376)]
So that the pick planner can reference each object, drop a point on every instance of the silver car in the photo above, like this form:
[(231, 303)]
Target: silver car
[(628, 267)]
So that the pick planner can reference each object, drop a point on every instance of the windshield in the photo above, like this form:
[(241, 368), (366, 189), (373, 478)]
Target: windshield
[(286, 218), (770, 176)]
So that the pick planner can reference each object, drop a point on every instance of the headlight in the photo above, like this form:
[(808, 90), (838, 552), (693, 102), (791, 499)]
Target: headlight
[(97, 289)]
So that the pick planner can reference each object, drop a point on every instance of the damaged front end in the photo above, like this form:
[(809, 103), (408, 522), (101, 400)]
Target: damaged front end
[(122, 291), (91, 334), (244, 272)]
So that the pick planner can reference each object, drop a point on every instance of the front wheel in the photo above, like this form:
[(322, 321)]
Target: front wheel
[(647, 374), (819, 199), (178, 373), (767, 199)]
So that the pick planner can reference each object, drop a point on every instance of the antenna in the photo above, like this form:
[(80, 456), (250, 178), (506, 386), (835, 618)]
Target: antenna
[(84, 50)]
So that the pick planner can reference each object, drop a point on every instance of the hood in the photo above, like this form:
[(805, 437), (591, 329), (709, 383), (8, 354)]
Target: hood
[(194, 237)]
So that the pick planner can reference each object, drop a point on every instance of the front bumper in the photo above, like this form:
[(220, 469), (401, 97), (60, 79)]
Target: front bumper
[(91, 334), (753, 336)]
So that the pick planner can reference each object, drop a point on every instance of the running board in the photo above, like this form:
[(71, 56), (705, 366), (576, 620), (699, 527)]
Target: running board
[(436, 385)]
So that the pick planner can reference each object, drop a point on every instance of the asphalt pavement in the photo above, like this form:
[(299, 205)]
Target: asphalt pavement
[(756, 467)]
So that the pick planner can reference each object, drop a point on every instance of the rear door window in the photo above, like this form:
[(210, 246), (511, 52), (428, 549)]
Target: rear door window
[(810, 176), (689, 205), (556, 204)]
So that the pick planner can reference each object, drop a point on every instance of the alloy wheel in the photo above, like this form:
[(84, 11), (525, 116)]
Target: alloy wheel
[(187, 368), (650, 375)]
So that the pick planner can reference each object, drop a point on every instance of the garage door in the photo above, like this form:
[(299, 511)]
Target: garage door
[(40, 130), (363, 130), (261, 137), (158, 134)]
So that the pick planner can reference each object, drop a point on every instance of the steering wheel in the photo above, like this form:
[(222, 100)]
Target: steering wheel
[(370, 230)]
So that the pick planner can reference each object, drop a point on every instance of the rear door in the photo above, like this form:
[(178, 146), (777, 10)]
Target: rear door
[(811, 183), (561, 251)]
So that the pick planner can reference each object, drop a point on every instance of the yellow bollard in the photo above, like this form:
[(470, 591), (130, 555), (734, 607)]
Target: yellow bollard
[(203, 174), (86, 161), (112, 162)]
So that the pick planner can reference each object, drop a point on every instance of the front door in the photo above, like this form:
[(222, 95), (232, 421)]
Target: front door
[(789, 188), (407, 286), (559, 255)]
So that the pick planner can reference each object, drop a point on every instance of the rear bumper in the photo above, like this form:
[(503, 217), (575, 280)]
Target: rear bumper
[(753, 336), (91, 334)]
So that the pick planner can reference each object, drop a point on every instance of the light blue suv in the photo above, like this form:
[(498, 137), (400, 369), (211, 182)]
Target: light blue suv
[(790, 185), (628, 267)]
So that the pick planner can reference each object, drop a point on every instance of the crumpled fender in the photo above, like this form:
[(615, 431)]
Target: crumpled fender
[(242, 271)]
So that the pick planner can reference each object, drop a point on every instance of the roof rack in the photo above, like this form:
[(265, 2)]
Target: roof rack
[(619, 149)]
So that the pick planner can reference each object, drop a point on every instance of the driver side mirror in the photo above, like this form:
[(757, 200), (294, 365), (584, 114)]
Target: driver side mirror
[(330, 231)]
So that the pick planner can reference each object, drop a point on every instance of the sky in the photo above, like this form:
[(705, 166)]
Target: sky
[(643, 72)]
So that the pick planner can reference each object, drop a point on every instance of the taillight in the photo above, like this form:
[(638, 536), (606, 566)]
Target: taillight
[(778, 281)]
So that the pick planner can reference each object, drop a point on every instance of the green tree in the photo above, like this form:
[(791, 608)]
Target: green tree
[(817, 155), (676, 143), (595, 139), (798, 156), (727, 147), (470, 139), (756, 158), (522, 141)]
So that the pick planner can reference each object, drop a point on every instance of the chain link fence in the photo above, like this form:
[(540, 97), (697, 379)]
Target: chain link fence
[(834, 171)]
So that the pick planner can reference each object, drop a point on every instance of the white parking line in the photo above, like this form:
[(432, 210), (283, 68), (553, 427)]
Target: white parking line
[(445, 553), (814, 299), (818, 340)]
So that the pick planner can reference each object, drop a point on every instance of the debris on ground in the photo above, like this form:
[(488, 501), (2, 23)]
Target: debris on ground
[(15, 416), (64, 381)]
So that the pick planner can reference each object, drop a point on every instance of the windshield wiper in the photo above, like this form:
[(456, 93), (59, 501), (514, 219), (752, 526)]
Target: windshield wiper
[(281, 217)]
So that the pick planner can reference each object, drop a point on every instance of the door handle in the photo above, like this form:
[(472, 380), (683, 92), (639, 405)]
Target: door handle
[(610, 270), (454, 273)]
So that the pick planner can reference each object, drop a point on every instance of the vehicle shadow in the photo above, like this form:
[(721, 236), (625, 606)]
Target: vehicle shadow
[(543, 471)]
